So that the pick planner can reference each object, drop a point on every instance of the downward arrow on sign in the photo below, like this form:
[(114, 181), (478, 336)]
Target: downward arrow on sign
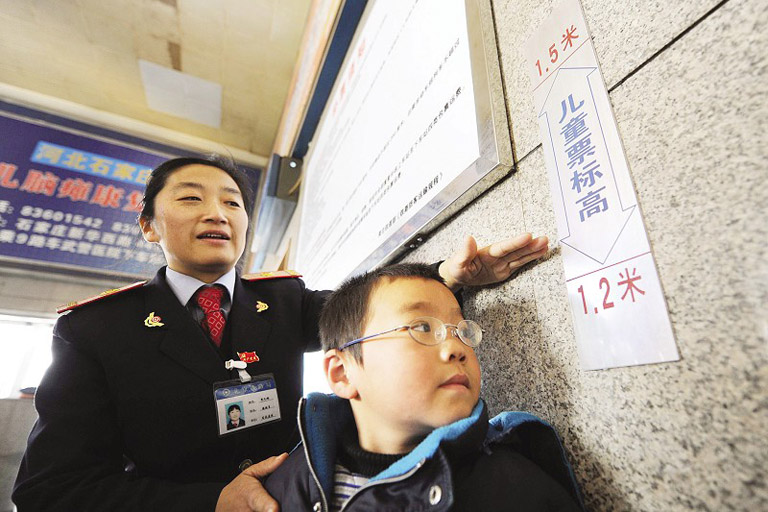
[(594, 214)]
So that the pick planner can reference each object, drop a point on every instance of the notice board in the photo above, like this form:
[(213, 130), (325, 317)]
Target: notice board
[(414, 129)]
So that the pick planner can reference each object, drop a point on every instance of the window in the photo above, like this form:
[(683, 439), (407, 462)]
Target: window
[(25, 352), (314, 378)]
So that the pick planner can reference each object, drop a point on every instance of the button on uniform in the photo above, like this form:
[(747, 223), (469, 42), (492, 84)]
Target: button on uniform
[(245, 465), (435, 494)]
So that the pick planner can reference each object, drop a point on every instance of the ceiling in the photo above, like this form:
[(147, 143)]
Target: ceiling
[(88, 52)]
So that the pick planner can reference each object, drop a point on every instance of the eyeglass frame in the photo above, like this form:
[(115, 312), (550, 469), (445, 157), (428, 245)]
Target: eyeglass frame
[(408, 326)]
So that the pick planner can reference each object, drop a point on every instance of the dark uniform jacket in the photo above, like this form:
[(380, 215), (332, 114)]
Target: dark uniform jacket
[(127, 420), (513, 462)]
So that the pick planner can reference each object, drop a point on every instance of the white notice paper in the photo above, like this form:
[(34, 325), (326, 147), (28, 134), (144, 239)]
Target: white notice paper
[(399, 127), (617, 304)]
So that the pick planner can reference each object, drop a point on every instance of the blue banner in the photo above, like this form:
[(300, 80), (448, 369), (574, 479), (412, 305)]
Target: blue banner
[(69, 200)]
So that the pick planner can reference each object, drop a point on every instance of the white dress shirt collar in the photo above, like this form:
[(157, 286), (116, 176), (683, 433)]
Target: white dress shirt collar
[(184, 286)]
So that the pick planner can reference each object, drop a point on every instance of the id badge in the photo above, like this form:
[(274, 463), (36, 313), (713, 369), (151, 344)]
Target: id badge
[(240, 405)]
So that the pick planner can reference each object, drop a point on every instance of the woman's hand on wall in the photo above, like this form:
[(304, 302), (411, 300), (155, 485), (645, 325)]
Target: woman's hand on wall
[(469, 266)]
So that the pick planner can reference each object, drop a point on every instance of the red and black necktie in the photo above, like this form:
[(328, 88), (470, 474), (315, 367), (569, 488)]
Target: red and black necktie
[(209, 300)]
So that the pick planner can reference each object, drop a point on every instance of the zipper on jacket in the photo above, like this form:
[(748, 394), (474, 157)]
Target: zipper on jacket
[(306, 454), (390, 480)]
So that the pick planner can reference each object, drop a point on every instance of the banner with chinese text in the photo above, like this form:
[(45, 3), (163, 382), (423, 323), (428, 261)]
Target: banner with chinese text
[(69, 200)]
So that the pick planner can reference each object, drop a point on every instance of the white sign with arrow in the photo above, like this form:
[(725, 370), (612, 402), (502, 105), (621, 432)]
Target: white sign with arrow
[(619, 312)]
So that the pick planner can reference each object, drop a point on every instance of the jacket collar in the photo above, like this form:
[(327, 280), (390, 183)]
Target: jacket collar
[(250, 330), (539, 442), (456, 437), (179, 337), (323, 419)]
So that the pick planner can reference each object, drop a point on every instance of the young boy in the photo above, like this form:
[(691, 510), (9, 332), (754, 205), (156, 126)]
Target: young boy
[(406, 429)]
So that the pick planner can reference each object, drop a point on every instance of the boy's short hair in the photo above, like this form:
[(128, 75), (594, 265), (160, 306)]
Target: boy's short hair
[(344, 314)]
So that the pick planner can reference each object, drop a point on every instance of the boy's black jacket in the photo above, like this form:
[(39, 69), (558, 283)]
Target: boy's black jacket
[(514, 462)]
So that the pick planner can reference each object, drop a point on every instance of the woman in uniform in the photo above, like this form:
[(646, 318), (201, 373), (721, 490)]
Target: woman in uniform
[(133, 410)]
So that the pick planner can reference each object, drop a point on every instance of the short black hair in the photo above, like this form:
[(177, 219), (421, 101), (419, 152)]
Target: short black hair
[(160, 174), (344, 313), (233, 406)]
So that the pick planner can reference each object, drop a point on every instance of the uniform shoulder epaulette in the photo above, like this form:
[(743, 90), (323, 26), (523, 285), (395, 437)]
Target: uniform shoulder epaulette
[(275, 274), (106, 293)]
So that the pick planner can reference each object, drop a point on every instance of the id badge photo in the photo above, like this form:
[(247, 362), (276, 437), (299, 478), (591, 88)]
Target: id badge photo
[(242, 405)]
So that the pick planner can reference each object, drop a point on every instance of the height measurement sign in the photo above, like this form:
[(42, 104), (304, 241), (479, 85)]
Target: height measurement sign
[(617, 304)]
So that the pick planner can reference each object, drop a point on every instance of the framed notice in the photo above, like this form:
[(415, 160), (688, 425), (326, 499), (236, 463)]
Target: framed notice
[(415, 128)]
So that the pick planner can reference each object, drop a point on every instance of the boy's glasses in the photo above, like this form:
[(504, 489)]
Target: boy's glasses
[(432, 331)]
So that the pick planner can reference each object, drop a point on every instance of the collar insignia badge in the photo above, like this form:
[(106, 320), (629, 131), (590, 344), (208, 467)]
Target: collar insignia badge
[(261, 306), (153, 321)]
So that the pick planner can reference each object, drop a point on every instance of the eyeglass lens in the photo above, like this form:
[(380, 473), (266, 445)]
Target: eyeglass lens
[(431, 331)]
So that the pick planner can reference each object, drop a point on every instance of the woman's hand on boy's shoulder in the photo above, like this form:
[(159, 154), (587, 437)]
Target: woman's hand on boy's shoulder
[(470, 266), (246, 494)]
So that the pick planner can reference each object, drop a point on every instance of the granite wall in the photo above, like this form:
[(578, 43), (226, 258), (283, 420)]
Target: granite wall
[(689, 86)]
